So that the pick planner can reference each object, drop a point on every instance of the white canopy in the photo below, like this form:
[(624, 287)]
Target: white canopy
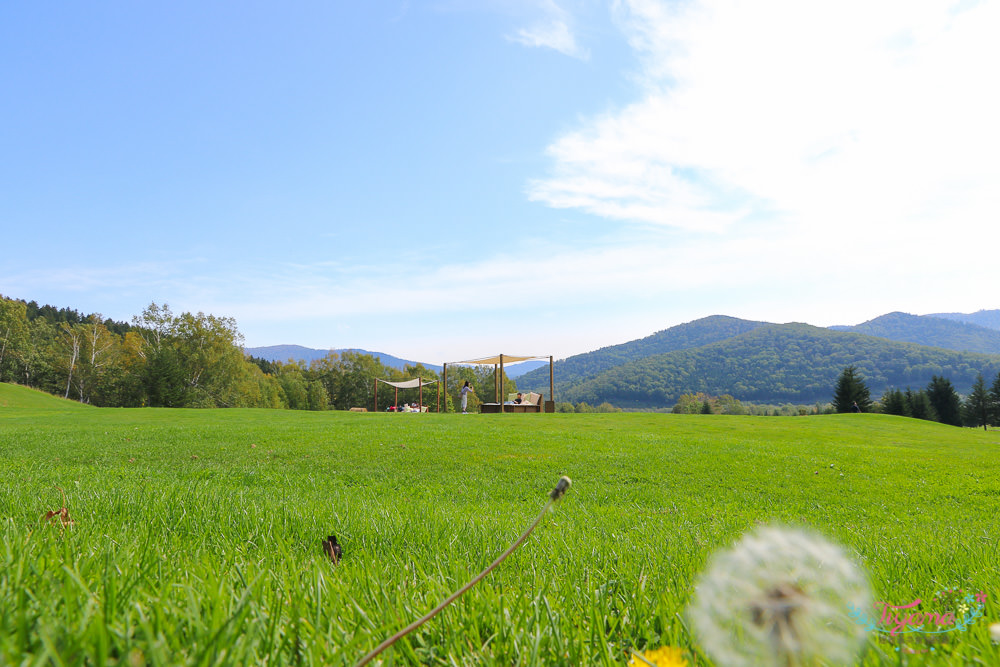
[(409, 384), (500, 358)]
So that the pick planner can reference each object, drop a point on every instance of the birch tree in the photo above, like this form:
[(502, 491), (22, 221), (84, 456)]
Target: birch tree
[(70, 336), (13, 336), (97, 344)]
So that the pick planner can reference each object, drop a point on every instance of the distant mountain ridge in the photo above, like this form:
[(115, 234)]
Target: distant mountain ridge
[(299, 353), (952, 334), (984, 318)]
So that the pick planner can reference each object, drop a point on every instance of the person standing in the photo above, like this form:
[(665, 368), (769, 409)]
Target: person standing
[(466, 388)]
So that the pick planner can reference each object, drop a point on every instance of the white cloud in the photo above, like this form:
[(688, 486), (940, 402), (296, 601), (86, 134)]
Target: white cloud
[(867, 118)]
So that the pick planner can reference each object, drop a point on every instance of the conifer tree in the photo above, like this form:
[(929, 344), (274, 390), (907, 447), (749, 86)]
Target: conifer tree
[(894, 403), (943, 397), (994, 402), (977, 405), (850, 390), (919, 406)]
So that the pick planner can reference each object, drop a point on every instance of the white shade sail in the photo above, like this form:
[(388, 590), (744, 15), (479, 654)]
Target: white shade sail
[(492, 361), (409, 384)]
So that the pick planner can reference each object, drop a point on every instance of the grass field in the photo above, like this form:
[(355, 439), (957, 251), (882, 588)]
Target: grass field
[(196, 534)]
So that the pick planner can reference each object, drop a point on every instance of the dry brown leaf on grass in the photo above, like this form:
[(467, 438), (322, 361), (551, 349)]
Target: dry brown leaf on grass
[(333, 549), (62, 513)]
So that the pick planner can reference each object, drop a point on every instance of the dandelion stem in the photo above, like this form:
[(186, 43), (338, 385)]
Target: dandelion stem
[(636, 655), (556, 494)]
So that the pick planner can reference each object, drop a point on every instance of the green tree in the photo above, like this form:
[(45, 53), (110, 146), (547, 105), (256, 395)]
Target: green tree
[(38, 358), (727, 405), (14, 333), (99, 347), (994, 402), (919, 406), (945, 400), (851, 390), (356, 382), (977, 405), (318, 398), (210, 352), (162, 379), (894, 403)]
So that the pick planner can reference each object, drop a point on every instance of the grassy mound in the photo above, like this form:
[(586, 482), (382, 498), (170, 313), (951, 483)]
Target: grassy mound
[(196, 534), (18, 397)]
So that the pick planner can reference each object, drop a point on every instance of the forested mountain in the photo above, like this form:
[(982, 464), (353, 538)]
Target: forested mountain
[(306, 354), (931, 330), (778, 363), (575, 369), (984, 318)]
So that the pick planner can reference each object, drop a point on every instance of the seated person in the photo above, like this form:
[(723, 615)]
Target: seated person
[(519, 398)]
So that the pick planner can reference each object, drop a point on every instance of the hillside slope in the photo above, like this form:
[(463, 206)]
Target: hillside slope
[(779, 363), (580, 367), (18, 397)]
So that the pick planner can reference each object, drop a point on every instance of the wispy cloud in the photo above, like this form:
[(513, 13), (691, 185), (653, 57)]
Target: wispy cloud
[(552, 31)]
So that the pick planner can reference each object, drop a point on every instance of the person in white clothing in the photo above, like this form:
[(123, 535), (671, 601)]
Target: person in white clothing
[(465, 396)]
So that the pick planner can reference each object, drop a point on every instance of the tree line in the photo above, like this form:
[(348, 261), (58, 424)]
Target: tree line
[(938, 401), (194, 360)]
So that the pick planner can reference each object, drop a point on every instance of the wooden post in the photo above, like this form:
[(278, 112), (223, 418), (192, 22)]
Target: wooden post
[(420, 393), (500, 384), (396, 398), (552, 383), (376, 394), (445, 369)]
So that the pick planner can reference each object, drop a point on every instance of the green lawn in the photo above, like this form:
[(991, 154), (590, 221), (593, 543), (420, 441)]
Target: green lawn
[(197, 532)]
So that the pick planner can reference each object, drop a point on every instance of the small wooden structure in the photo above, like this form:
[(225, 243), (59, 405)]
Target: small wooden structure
[(497, 362), (417, 383)]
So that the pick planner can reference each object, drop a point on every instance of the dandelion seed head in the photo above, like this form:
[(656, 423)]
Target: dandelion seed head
[(780, 596)]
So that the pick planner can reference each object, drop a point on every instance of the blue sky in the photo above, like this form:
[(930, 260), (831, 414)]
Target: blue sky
[(456, 178)]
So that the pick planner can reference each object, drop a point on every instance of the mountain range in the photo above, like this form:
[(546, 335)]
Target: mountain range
[(777, 363)]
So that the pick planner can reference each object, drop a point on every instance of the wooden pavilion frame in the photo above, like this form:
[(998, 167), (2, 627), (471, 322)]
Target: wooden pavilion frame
[(497, 362)]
